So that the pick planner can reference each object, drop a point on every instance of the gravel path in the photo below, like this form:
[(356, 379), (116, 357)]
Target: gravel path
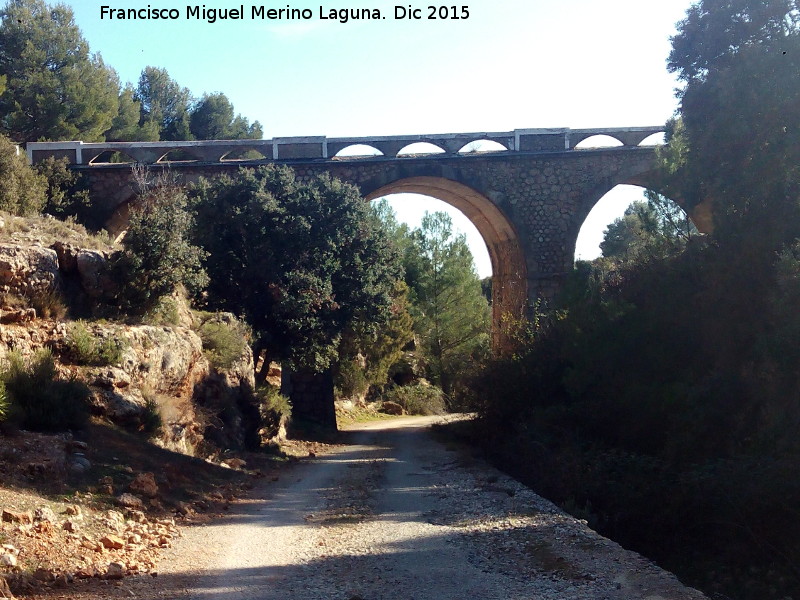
[(397, 516)]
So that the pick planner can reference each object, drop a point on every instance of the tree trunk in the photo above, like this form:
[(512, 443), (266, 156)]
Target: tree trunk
[(261, 375)]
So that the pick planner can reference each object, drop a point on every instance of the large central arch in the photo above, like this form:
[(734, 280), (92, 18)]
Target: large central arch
[(509, 272)]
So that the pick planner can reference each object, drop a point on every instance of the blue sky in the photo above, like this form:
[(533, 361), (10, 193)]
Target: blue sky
[(511, 65)]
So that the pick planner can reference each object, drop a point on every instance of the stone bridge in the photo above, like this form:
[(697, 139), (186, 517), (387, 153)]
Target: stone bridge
[(528, 199)]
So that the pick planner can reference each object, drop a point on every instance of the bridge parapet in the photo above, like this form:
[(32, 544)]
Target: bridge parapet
[(323, 148)]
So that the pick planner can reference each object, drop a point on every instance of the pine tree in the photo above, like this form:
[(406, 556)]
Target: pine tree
[(55, 89)]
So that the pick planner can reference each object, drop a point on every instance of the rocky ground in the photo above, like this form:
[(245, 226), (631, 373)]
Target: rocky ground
[(390, 515), (79, 516)]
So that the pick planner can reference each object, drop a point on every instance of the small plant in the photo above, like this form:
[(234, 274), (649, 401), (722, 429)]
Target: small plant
[(49, 304), (3, 401), (87, 348), (223, 342), (151, 421), (271, 400), (37, 400), (165, 312), (417, 399)]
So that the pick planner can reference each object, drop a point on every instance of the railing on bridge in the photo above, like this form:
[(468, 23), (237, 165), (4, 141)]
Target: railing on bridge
[(324, 148)]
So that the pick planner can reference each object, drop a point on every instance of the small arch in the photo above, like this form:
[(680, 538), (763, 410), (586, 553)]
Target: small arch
[(655, 139), (420, 149), (177, 155), (598, 141), (112, 157), (482, 146), (358, 151), (241, 154)]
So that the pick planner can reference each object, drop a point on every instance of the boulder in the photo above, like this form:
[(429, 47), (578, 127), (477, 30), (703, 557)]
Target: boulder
[(44, 513), (112, 542), (67, 256), (92, 267), (22, 315), (25, 518), (8, 560), (28, 270), (144, 484), (115, 570), (391, 408)]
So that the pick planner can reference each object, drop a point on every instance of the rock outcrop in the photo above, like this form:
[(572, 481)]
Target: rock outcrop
[(28, 270)]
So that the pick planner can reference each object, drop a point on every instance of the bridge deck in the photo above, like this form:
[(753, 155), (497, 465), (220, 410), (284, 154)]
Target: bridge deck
[(321, 147)]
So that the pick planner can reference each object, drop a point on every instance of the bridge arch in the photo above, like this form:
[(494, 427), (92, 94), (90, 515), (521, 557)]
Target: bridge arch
[(358, 151), (481, 145), (646, 179), (420, 149), (598, 141), (509, 270)]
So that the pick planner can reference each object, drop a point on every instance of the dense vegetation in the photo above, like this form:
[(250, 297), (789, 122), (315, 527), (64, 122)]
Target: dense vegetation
[(53, 88), (660, 398)]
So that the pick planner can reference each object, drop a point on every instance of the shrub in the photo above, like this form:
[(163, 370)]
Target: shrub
[(417, 399), (38, 400), (224, 343), (68, 193), (274, 410), (351, 379), (3, 401), (49, 304), (151, 422), (87, 348), (165, 312), (22, 190), (158, 257), (273, 401)]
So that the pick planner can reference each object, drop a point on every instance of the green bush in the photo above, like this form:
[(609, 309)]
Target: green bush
[(68, 194), (273, 401), (87, 348), (38, 400), (417, 399), (164, 313), (49, 304), (351, 379), (274, 410), (224, 343), (22, 190), (151, 422), (3, 401), (157, 257)]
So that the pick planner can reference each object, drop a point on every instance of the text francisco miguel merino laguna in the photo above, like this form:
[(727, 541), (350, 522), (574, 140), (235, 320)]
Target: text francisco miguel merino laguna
[(342, 15)]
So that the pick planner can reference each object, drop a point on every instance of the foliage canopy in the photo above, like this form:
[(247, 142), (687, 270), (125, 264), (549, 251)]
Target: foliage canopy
[(55, 89), (301, 260)]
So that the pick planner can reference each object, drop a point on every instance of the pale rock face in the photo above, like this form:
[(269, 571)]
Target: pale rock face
[(27, 270), (92, 268)]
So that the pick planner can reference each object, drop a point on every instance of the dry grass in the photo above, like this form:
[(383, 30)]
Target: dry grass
[(46, 230)]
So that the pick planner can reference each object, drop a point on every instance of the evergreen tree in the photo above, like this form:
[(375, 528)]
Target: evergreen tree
[(125, 127), (451, 315), (164, 104), (55, 89), (22, 190), (652, 229), (213, 119), (302, 261), (737, 144)]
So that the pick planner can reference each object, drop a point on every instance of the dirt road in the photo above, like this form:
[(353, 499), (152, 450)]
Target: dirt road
[(395, 515)]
